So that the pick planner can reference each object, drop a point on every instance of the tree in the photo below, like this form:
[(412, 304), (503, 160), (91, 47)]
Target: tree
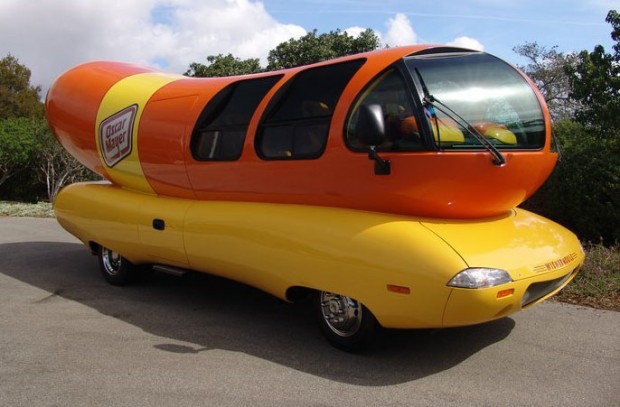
[(220, 65), (595, 84), (31, 157), (308, 49), (17, 146), (583, 192), (313, 48), (546, 67), (17, 97), (56, 167)]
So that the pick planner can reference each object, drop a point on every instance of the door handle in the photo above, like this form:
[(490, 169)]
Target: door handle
[(159, 224)]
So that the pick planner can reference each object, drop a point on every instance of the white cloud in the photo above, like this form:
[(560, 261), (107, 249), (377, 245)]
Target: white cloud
[(467, 42), (400, 31), (354, 31), (51, 36)]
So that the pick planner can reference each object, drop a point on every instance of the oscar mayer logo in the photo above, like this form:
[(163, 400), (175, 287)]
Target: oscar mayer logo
[(115, 135)]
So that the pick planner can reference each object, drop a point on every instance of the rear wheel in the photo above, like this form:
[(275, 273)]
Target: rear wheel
[(116, 269), (345, 322)]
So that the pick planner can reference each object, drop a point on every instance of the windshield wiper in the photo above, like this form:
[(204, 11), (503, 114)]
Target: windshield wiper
[(432, 101)]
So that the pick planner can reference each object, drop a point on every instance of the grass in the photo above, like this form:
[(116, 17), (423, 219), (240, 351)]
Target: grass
[(597, 285), (38, 210)]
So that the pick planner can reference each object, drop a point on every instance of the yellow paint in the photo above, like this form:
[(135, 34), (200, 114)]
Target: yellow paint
[(122, 220), (133, 90), (354, 253), (358, 254), (517, 242)]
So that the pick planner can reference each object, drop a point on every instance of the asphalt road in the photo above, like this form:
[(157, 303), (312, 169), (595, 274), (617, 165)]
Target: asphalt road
[(68, 338)]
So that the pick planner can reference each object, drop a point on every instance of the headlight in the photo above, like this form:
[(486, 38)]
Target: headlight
[(480, 278)]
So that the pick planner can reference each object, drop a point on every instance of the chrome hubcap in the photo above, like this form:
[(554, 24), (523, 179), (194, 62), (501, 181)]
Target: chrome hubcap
[(111, 261), (343, 315)]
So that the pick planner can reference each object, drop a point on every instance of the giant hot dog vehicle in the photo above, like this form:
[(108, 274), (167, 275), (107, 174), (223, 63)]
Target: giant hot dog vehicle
[(384, 184)]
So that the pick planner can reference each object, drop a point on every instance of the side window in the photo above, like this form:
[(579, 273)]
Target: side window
[(389, 91), (296, 124), (219, 134)]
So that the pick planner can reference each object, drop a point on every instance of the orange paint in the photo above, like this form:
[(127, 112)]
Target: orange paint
[(72, 104), (447, 184)]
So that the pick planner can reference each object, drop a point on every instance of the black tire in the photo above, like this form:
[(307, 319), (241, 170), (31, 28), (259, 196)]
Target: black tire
[(345, 322), (116, 269)]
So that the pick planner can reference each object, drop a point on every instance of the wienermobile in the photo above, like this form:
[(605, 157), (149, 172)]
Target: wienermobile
[(384, 185)]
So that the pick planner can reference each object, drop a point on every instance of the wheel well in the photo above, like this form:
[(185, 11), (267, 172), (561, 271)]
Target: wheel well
[(298, 293), (94, 247)]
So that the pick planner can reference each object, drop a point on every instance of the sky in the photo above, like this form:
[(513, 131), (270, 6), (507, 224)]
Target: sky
[(51, 36)]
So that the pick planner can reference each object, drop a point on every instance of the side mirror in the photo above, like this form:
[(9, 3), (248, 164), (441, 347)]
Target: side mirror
[(370, 126)]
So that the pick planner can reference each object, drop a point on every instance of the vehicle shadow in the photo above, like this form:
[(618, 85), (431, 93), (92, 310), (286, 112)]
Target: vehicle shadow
[(205, 312)]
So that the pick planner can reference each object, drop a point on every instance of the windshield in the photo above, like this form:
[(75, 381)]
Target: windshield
[(487, 93)]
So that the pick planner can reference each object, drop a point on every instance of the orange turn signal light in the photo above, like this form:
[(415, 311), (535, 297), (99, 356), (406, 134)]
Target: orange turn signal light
[(505, 293), (398, 289)]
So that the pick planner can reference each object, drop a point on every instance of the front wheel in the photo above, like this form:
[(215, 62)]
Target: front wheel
[(116, 269), (345, 322)]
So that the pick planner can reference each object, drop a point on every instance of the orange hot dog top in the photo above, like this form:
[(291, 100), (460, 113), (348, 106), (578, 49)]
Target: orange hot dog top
[(290, 136)]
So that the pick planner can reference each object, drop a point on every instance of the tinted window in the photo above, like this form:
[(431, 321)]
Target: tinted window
[(222, 125), (389, 91), (296, 124)]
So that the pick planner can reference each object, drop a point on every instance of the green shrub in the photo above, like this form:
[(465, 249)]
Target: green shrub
[(583, 192)]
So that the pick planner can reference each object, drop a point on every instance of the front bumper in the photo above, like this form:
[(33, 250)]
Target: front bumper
[(474, 306)]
